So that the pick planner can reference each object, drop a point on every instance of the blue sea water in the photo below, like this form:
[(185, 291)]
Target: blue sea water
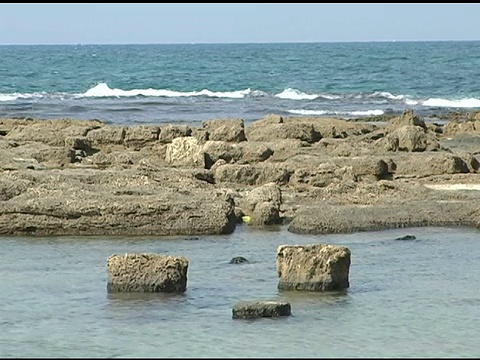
[(189, 83)]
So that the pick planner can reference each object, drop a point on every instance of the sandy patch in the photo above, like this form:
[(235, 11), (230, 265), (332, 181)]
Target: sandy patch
[(453, 186)]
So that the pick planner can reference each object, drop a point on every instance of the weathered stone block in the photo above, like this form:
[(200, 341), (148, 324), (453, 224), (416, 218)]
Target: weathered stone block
[(170, 132), (229, 130), (146, 273), (185, 151), (112, 135), (137, 137), (315, 267)]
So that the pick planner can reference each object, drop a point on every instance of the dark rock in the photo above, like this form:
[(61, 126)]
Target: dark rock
[(239, 260), (406, 237), (258, 309)]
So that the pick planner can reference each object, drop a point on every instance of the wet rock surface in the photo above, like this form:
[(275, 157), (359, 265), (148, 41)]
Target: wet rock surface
[(260, 308)]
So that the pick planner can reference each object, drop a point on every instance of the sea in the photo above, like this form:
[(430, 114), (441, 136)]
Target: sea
[(407, 298), (190, 83), (416, 298)]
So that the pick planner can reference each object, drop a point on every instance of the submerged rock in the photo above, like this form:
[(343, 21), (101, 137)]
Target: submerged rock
[(258, 309), (238, 260), (406, 237)]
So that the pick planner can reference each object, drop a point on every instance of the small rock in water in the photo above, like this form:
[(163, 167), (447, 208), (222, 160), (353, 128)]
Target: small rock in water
[(238, 260), (406, 237), (258, 309)]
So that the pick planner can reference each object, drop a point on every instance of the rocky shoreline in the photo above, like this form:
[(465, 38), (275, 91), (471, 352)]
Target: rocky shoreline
[(316, 175)]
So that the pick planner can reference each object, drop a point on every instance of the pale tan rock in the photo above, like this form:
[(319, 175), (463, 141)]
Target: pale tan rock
[(317, 267), (147, 272)]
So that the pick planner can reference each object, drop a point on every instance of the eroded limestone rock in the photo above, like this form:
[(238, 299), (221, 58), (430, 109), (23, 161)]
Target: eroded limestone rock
[(316, 267), (147, 273)]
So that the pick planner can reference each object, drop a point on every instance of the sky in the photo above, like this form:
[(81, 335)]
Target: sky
[(165, 23)]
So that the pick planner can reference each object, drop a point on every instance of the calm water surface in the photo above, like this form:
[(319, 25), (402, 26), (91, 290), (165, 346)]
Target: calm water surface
[(406, 298)]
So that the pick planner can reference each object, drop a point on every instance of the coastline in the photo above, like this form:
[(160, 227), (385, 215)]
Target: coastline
[(315, 174)]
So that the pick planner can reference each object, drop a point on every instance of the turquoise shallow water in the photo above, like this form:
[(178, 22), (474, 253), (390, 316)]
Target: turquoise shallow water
[(406, 298), (189, 83)]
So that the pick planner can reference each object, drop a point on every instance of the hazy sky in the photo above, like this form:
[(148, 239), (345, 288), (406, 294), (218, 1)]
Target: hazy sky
[(97, 23)]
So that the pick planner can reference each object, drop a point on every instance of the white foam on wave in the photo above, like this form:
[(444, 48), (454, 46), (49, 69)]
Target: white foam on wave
[(309, 112), (461, 103), (332, 112), (412, 102), (8, 97), (103, 90), (36, 95), (375, 112), (387, 95), (330, 96), (294, 94), (445, 103)]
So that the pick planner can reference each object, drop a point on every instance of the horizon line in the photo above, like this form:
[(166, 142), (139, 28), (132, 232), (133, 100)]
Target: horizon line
[(239, 43)]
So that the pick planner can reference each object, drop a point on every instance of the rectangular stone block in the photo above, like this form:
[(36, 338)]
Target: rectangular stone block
[(146, 273), (315, 267)]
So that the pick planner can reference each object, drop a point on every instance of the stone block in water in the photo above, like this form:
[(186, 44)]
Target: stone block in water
[(147, 272), (257, 309), (317, 267)]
